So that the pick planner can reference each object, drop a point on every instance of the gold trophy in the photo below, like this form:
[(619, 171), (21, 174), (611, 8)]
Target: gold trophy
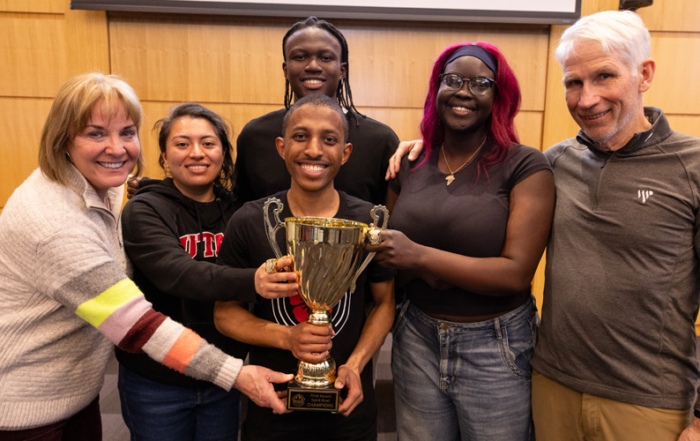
[(327, 258)]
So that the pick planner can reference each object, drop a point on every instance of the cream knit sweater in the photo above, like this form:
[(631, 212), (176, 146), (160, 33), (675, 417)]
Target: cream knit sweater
[(65, 299)]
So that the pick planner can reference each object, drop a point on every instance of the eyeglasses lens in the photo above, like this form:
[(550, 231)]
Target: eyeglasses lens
[(477, 85), (453, 81)]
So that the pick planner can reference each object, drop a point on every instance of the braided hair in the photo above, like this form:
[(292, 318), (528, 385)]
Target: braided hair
[(343, 93)]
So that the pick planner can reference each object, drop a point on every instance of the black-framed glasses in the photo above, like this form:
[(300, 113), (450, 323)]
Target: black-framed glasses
[(478, 85)]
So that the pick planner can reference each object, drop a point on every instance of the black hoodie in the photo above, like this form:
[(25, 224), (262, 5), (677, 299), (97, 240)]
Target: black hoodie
[(176, 270)]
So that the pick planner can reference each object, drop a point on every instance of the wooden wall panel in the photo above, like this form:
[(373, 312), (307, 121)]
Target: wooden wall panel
[(87, 42), (589, 7), (538, 283), (37, 6), (386, 73), (675, 88), (32, 54), (405, 122), (672, 15), (163, 59), (558, 124), (21, 120), (199, 60), (688, 124), (529, 127), (40, 48)]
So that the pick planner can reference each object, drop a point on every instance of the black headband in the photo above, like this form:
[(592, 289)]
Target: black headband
[(472, 50)]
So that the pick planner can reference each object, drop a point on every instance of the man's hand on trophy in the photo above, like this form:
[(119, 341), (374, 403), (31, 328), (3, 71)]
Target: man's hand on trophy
[(256, 383), (349, 377), (309, 343), (274, 279), (396, 251)]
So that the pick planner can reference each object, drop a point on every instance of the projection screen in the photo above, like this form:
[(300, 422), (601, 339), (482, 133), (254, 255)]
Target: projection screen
[(493, 11)]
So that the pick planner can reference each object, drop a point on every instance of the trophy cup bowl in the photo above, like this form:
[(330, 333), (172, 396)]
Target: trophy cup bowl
[(327, 259)]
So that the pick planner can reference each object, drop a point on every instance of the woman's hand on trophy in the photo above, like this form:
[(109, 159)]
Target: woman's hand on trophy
[(270, 279), (310, 343), (396, 251), (256, 383), (349, 377)]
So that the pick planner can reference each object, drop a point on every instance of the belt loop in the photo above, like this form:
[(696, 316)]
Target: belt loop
[(497, 327)]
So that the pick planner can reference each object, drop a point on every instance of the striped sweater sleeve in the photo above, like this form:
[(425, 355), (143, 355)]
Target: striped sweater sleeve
[(104, 297)]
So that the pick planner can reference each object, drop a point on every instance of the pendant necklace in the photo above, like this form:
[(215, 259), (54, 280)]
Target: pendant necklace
[(451, 176)]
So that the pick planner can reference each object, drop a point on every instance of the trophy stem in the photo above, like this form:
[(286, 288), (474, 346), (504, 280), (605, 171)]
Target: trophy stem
[(317, 375), (319, 317)]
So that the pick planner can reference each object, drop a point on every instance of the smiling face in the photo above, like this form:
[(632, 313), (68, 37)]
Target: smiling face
[(461, 110), (314, 147), (194, 155), (313, 63), (604, 96), (107, 149)]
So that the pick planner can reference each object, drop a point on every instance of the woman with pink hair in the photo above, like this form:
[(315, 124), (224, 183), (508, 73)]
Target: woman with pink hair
[(471, 217)]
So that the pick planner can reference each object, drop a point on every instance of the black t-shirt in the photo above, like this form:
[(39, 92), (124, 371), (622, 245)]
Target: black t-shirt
[(246, 246), (260, 171), (468, 217)]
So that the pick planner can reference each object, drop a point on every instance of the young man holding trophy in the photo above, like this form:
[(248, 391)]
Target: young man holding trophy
[(327, 254)]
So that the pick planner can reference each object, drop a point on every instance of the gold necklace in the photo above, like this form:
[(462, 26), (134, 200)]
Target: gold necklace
[(451, 176)]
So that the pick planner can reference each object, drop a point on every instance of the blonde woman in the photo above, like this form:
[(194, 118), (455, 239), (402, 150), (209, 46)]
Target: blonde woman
[(65, 294)]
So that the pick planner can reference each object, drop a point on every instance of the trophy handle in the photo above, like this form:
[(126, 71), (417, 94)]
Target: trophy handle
[(370, 256), (269, 229)]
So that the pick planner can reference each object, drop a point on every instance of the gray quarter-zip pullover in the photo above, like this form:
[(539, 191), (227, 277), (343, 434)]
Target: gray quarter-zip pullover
[(623, 274)]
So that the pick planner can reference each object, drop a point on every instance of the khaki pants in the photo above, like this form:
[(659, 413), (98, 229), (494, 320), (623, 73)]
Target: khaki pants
[(562, 414)]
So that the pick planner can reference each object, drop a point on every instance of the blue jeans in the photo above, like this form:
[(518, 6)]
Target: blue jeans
[(468, 381), (158, 412)]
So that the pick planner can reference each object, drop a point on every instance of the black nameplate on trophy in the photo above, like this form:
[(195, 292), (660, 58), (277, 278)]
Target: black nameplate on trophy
[(303, 398)]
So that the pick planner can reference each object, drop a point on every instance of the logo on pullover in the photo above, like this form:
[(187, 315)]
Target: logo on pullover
[(644, 195), (212, 242)]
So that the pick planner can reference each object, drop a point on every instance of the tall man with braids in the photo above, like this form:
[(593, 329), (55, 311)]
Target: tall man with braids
[(315, 61)]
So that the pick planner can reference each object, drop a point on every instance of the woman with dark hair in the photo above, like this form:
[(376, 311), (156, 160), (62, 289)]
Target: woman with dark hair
[(471, 219), (315, 61), (172, 233)]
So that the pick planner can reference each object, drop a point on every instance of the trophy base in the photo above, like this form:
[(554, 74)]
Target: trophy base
[(304, 398)]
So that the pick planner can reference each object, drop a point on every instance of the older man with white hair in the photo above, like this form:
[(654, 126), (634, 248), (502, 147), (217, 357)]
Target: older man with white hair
[(615, 359)]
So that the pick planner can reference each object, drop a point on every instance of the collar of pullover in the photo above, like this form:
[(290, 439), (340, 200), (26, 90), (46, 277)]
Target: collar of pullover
[(80, 185), (659, 131)]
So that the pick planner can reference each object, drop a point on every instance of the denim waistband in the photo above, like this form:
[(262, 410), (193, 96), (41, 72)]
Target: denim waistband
[(522, 311)]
